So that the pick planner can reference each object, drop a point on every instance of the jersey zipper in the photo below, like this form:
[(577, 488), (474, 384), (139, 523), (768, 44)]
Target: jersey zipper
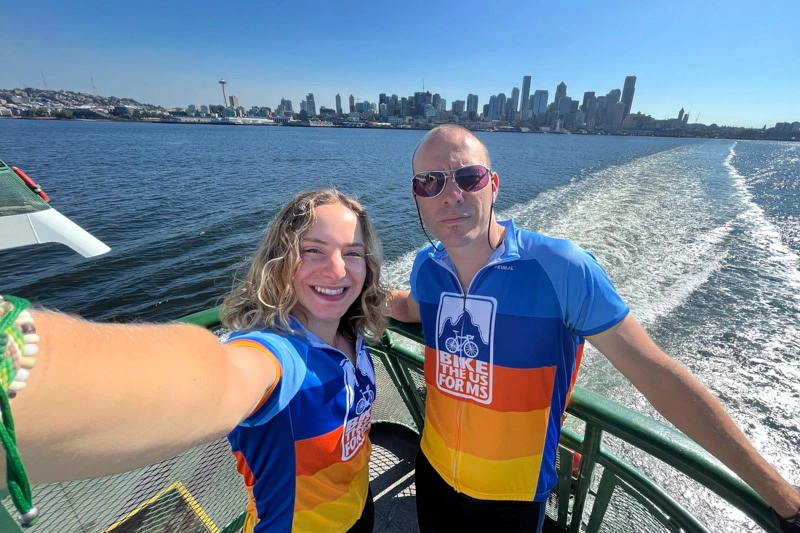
[(459, 401)]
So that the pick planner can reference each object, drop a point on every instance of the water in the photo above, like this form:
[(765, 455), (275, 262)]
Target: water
[(701, 237)]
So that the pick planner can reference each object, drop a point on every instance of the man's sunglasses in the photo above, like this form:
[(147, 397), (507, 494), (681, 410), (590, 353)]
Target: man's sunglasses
[(469, 179)]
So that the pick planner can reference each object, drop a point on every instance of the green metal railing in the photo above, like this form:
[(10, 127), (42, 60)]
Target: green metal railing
[(607, 494), (602, 417)]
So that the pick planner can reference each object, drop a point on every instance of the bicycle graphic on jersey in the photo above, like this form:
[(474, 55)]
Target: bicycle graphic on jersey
[(462, 344), (367, 397)]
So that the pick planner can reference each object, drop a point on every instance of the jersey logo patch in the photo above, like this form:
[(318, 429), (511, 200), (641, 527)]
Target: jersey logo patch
[(361, 396), (464, 347)]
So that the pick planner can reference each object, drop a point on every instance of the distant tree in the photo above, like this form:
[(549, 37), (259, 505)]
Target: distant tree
[(36, 112), (64, 113), (303, 115)]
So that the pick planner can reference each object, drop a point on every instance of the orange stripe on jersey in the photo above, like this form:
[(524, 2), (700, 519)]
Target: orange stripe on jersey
[(246, 343), (332, 483), (512, 389), (244, 470), (318, 452), (479, 427), (522, 390), (578, 359), (249, 481)]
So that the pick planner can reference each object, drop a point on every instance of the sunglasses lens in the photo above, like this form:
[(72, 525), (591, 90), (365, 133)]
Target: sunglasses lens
[(472, 179), (468, 179), (429, 184)]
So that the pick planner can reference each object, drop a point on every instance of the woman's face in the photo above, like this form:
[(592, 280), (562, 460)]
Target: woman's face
[(332, 267)]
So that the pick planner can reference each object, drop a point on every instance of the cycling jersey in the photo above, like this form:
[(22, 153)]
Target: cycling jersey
[(501, 358), (304, 451)]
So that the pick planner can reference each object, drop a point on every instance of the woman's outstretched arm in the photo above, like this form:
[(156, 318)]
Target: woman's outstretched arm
[(106, 398)]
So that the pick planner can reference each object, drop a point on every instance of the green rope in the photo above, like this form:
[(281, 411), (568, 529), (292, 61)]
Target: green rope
[(18, 485)]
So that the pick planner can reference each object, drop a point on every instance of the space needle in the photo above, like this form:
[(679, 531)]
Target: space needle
[(224, 98)]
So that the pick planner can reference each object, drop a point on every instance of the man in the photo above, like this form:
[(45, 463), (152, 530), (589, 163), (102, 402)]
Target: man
[(505, 313)]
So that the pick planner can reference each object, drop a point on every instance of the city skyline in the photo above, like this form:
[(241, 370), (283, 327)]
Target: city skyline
[(722, 62)]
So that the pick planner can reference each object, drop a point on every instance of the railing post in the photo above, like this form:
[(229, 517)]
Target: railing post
[(592, 439), (7, 522)]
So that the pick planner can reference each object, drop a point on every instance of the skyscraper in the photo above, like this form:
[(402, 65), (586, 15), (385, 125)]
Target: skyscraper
[(513, 106), (493, 107), (311, 105), (561, 92), (612, 99), (564, 106), (589, 109), (501, 106), (587, 96), (352, 104), (540, 101), (338, 105), (472, 106), (526, 93), (627, 94)]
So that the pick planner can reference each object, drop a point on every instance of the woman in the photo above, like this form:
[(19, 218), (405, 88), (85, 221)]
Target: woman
[(311, 294), (293, 385)]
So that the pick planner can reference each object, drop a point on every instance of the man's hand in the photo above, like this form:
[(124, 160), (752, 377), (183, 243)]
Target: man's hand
[(789, 524), (401, 306)]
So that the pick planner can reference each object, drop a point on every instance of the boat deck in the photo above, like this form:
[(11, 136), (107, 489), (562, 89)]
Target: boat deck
[(394, 448)]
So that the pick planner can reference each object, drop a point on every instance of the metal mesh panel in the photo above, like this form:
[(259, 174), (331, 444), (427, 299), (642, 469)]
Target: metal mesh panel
[(389, 405), (419, 382), (551, 506), (197, 491), (15, 196), (627, 515)]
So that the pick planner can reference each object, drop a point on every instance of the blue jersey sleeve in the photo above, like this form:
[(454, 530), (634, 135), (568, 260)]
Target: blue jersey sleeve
[(589, 302), (291, 358), (418, 260)]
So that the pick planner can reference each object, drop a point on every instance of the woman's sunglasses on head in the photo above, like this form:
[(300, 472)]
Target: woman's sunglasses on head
[(429, 184)]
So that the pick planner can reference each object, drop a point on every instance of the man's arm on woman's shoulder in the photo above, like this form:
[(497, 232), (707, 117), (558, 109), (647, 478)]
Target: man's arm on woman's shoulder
[(401, 306)]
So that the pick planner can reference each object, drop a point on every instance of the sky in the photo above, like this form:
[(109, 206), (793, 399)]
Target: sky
[(731, 62)]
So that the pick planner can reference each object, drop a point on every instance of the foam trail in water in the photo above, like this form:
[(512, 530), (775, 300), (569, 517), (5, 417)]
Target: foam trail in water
[(648, 221), (765, 235)]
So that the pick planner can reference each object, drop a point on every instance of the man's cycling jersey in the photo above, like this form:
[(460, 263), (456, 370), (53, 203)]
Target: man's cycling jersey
[(501, 358), (304, 451)]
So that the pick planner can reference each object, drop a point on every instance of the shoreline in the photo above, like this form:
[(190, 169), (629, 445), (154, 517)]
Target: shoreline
[(749, 134)]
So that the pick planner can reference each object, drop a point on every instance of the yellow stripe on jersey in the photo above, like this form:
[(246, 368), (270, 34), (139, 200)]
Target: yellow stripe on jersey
[(335, 516), (479, 426), (509, 479), (330, 484)]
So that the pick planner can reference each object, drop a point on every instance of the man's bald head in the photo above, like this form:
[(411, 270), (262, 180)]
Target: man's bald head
[(451, 137)]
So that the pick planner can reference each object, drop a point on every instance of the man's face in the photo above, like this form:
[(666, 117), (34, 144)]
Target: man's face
[(454, 217)]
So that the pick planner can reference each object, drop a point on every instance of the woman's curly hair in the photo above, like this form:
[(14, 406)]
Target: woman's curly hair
[(265, 297)]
